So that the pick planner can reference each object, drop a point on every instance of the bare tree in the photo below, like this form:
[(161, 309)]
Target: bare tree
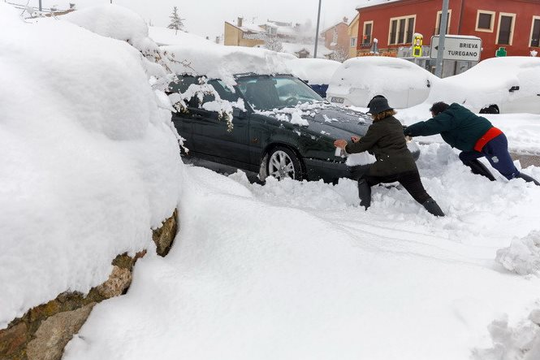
[(176, 21), (272, 42)]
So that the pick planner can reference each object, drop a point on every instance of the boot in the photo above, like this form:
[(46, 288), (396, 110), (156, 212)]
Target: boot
[(479, 169), (527, 178), (432, 207), (364, 192)]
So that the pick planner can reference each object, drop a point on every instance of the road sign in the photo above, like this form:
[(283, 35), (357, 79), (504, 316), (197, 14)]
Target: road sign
[(466, 48)]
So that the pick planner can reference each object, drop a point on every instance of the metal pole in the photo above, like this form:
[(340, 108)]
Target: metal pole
[(442, 34), (317, 33), (40, 8)]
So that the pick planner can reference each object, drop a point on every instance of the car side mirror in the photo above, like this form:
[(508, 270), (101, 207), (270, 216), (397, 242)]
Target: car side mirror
[(514, 88), (238, 113)]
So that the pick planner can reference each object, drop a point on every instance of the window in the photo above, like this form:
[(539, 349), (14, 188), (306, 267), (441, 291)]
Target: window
[(401, 30), (353, 42), (506, 29), (485, 20), (368, 29), (535, 32), (439, 20)]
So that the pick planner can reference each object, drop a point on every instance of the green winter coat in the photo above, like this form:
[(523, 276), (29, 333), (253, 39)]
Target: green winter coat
[(386, 141), (458, 126)]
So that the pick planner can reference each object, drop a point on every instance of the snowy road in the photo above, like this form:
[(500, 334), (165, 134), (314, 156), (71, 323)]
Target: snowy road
[(295, 270)]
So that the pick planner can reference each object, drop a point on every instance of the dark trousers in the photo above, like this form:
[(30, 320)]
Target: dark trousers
[(496, 152), (409, 180)]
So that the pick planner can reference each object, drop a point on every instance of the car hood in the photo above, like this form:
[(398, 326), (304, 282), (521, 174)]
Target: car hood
[(325, 119), (337, 121)]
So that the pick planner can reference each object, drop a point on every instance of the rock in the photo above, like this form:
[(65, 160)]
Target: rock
[(55, 332), (119, 280), (11, 339)]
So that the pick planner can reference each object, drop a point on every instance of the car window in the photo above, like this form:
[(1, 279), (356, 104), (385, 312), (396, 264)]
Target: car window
[(223, 90), (270, 92), (182, 84)]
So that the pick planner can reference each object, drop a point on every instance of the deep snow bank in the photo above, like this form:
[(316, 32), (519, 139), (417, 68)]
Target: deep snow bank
[(89, 160)]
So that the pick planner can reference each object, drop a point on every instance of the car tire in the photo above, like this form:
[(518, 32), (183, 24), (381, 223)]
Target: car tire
[(281, 162)]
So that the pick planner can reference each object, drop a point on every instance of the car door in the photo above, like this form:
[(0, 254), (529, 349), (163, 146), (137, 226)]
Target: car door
[(211, 134), (182, 118)]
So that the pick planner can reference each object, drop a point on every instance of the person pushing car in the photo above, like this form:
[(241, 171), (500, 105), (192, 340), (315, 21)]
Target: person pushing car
[(474, 135), (384, 139)]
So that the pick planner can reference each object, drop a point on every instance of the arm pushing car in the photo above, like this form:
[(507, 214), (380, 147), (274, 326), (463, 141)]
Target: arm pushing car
[(474, 135)]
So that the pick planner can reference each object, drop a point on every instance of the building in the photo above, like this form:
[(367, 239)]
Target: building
[(509, 27), (295, 39), (337, 39), (353, 36)]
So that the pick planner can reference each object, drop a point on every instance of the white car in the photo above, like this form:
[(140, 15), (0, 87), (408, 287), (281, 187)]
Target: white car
[(495, 85), (316, 72), (402, 82)]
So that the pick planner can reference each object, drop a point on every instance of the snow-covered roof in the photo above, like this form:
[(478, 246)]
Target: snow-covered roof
[(292, 48), (374, 3), (223, 62)]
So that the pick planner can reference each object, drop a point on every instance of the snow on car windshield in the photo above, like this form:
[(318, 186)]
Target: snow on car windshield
[(275, 92)]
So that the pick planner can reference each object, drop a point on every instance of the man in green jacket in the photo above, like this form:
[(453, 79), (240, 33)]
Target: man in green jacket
[(474, 135), (385, 140)]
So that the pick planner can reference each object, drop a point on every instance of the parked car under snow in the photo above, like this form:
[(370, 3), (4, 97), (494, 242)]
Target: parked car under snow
[(402, 82), (317, 73), (279, 126), (496, 85)]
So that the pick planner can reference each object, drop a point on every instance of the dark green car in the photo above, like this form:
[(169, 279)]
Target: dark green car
[(284, 129)]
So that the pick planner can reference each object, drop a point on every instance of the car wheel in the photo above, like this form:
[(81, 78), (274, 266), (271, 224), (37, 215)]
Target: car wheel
[(281, 163)]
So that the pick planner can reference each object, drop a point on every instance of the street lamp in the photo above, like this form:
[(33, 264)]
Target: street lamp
[(317, 33)]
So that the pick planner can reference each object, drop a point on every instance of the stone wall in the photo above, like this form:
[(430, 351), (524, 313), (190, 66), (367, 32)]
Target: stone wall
[(44, 331)]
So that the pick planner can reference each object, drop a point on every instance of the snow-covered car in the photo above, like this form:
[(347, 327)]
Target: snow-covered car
[(402, 82), (495, 85), (317, 73), (242, 108)]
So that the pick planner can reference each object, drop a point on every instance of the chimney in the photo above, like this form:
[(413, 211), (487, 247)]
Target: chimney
[(240, 21)]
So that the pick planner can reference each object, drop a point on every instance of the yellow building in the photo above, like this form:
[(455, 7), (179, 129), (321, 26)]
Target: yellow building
[(239, 35), (353, 35)]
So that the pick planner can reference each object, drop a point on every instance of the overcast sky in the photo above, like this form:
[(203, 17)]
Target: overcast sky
[(207, 17)]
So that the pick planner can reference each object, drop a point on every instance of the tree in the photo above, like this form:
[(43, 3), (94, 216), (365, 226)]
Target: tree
[(176, 21), (272, 42)]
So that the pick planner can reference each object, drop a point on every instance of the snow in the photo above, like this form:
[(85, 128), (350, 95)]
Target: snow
[(478, 87), (85, 177), (315, 71), (404, 83), (165, 36), (222, 62), (288, 270)]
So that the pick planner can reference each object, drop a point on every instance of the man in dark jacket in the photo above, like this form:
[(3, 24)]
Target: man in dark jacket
[(385, 140), (474, 135)]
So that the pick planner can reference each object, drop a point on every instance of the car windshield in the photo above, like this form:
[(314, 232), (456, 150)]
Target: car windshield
[(274, 92)]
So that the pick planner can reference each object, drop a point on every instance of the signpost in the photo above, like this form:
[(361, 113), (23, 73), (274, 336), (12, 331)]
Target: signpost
[(465, 48)]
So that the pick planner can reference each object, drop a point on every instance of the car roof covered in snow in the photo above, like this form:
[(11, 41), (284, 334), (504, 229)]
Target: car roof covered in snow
[(222, 62)]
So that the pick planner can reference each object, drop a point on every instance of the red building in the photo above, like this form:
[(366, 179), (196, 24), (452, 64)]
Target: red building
[(510, 24)]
